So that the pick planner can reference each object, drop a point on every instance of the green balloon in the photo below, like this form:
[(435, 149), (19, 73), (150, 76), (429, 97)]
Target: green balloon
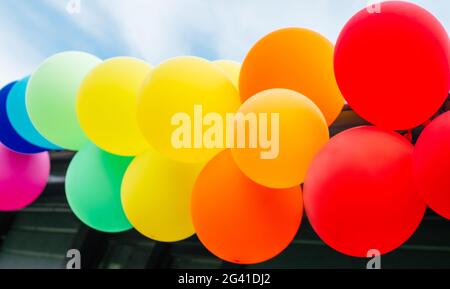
[(93, 183), (51, 97)]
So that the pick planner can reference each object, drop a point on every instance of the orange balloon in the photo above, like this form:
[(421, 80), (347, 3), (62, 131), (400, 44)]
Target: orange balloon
[(296, 59), (285, 147), (240, 221)]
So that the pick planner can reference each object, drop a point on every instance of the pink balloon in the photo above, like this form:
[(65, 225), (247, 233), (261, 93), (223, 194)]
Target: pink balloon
[(22, 178)]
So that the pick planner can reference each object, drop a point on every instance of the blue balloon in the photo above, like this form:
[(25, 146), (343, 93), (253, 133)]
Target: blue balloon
[(18, 116), (8, 136)]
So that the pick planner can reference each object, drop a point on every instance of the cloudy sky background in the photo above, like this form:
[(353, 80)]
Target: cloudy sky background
[(154, 30)]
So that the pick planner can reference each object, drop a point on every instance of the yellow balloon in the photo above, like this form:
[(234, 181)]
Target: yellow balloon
[(175, 106), (106, 105), (232, 69), (156, 196), (288, 130)]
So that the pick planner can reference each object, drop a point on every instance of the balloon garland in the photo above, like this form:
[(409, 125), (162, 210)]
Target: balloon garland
[(159, 148)]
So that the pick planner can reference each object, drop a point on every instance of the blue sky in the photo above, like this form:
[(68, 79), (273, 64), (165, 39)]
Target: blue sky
[(154, 30)]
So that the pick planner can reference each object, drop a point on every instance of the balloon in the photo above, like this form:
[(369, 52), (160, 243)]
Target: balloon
[(431, 166), (8, 136), (232, 69), (18, 116), (93, 189), (51, 97), (175, 100), (156, 195), (22, 178), (107, 105), (296, 59), (240, 221), (393, 67), (359, 193), (297, 130)]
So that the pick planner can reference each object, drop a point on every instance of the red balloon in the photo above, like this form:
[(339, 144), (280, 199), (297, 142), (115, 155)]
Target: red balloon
[(431, 165), (393, 67), (359, 193)]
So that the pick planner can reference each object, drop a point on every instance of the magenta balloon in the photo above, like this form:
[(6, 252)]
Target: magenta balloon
[(22, 178)]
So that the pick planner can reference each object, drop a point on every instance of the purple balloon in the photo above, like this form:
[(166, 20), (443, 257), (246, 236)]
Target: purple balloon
[(22, 178)]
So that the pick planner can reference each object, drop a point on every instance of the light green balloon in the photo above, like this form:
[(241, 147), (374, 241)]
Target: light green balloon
[(93, 184), (51, 97)]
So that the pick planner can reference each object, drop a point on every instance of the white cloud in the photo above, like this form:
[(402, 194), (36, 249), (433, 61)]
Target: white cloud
[(157, 29), (160, 29)]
